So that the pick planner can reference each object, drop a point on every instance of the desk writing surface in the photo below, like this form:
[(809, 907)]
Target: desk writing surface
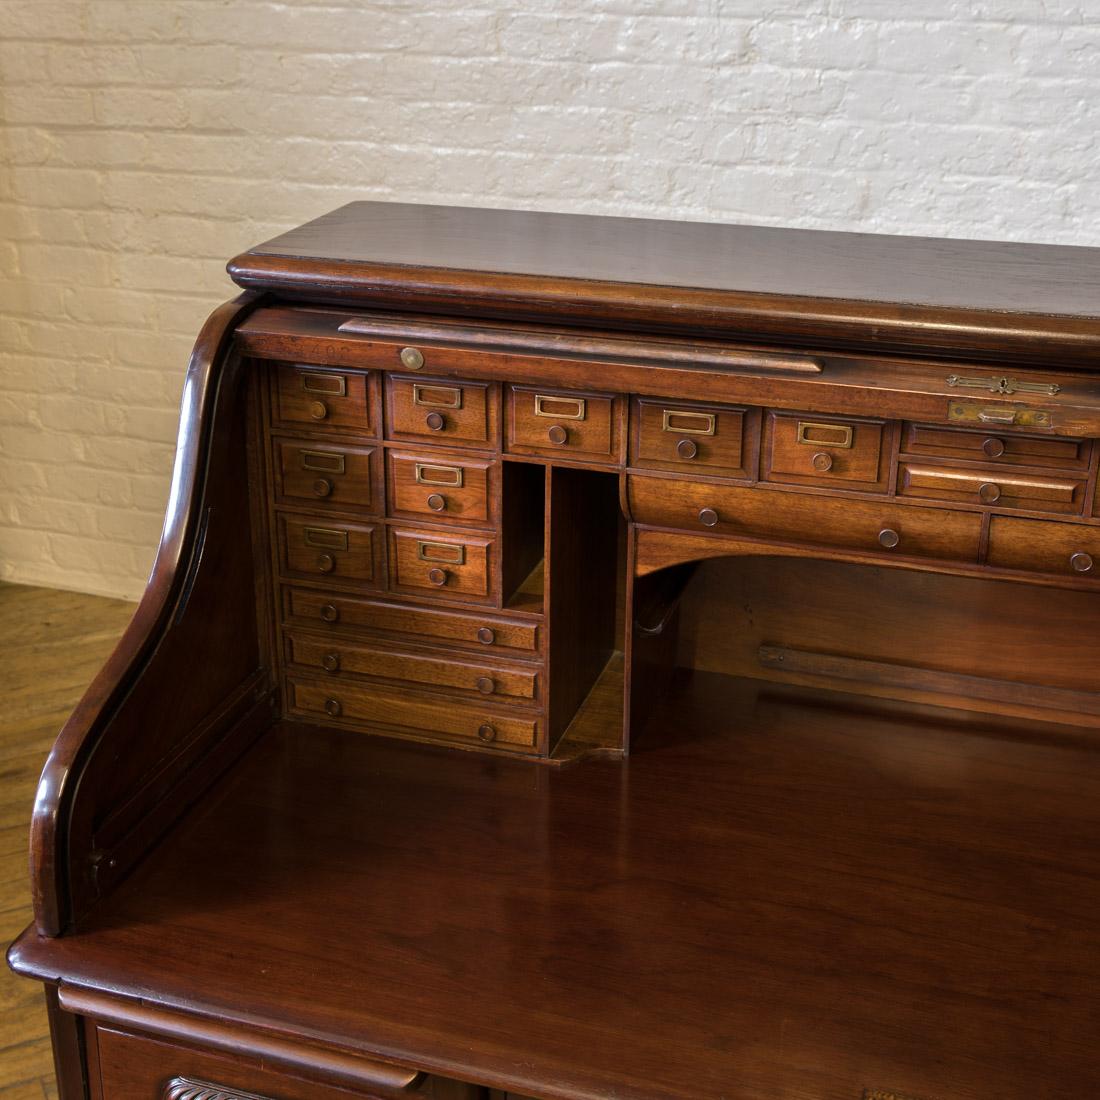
[(782, 893)]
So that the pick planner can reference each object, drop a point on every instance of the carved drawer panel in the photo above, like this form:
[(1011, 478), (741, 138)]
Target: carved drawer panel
[(325, 548), (329, 399), (327, 474), (440, 410), (442, 564), (447, 488), (997, 488), (810, 449), (1043, 546), (876, 527), (678, 435), (444, 671), (473, 630), (1001, 448), (426, 717), (560, 424)]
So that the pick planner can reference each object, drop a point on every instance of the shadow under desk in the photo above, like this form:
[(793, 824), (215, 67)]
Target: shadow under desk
[(792, 892)]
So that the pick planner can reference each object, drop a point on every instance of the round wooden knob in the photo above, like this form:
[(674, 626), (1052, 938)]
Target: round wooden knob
[(822, 462), (485, 685), (994, 447), (557, 435), (708, 517), (318, 410), (333, 708), (1082, 563), (486, 732), (329, 613), (437, 502), (322, 487), (438, 577), (989, 493), (889, 538), (435, 421), (687, 448), (326, 563), (412, 358), (330, 662), (486, 636)]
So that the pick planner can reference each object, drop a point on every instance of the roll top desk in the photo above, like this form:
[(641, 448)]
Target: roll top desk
[(594, 657)]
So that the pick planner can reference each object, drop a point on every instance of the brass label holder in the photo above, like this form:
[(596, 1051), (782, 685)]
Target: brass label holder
[(449, 477), (678, 421), (323, 462), (437, 397), (331, 385), (448, 553), (325, 538), (551, 407), (835, 435)]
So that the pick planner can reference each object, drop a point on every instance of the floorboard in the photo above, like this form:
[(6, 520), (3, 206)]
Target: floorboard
[(51, 644)]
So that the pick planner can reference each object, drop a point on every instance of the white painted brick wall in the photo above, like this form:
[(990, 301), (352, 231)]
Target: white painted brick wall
[(143, 142)]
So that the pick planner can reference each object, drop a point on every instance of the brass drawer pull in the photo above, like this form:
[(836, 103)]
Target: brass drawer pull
[(323, 462), (687, 448), (327, 538), (447, 552), (993, 447), (708, 517), (438, 577), (329, 613), (1081, 562), (685, 422), (486, 732), (437, 397), (330, 662), (437, 502), (822, 462), (485, 685), (989, 416), (333, 708), (560, 408), (322, 487), (824, 435), (449, 477), (318, 410), (331, 385), (486, 635), (326, 563), (989, 493), (412, 358), (888, 538), (558, 435)]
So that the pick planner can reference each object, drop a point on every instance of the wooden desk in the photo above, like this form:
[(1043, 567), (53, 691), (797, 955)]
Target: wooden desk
[(596, 658)]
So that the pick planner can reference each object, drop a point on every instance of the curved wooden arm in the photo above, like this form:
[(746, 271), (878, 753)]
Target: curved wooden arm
[(176, 560)]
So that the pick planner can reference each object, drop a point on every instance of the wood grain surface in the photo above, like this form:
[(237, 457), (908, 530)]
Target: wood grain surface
[(51, 645)]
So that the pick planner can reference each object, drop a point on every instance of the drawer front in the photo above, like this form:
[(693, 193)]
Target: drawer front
[(441, 411), (137, 1067), (809, 449), (331, 475), (1002, 449), (996, 488), (447, 488), (324, 398), (676, 436), (1066, 549), (472, 630), (890, 529), (423, 716), (338, 657), (583, 426), (448, 566), (316, 547)]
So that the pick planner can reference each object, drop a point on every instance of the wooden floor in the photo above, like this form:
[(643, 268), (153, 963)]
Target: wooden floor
[(51, 645)]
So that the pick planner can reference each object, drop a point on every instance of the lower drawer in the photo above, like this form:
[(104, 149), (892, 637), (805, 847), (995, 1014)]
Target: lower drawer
[(476, 630), (134, 1067), (339, 657), (1000, 488), (1042, 546), (813, 520), (422, 716)]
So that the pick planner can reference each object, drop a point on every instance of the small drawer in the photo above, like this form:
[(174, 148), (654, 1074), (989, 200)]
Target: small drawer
[(673, 435), (889, 529), (1003, 448), (444, 565), (582, 426), (326, 474), (316, 548), (449, 488), (1042, 546), (325, 398), (439, 410), (995, 488), (477, 631), (809, 449), (492, 682), (425, 717)]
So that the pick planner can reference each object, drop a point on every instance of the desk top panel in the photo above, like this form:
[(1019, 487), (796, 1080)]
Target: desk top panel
[(771, 282), (782, 893)]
